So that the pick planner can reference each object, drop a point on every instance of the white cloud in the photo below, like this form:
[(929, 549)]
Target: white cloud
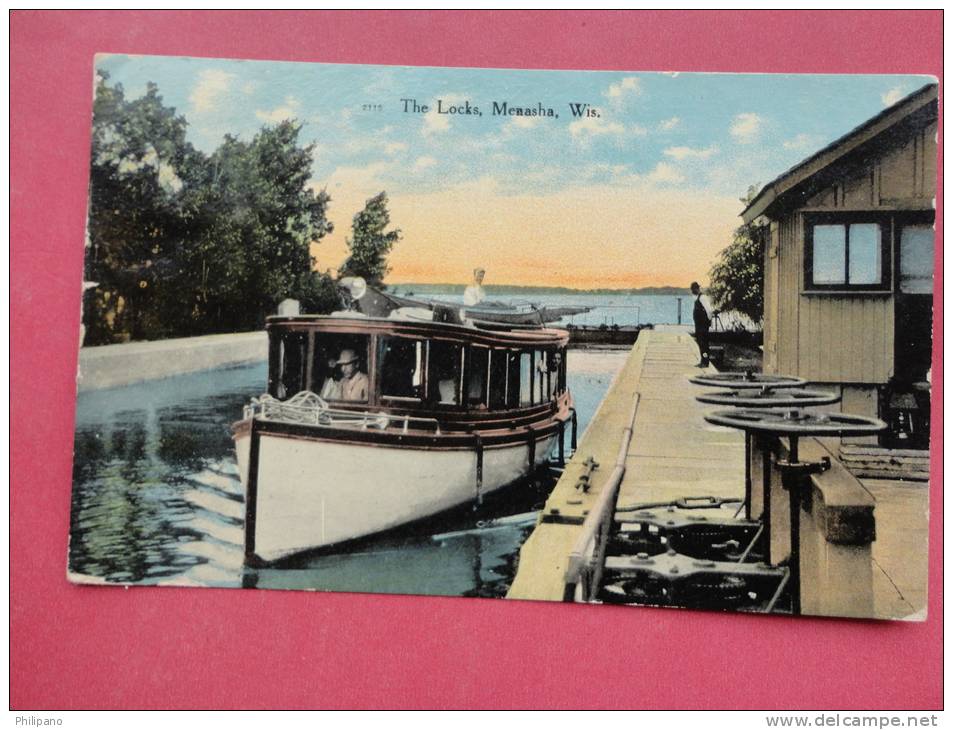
[(524, 122), (638, 130), (746, 127), (394, 148), (665, 173), (439, 123), (891, 97), (801, 141), (627, 87), (279, 114), (212, 85), (684, 153), (594, 126), (666, 125), (422, 163)]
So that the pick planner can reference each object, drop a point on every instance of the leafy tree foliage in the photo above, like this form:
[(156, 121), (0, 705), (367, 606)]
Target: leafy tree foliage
[(737, 279), (369, 243), (182, 243)]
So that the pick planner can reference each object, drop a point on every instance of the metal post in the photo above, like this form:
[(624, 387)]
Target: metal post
[(748, 476), (251, 492), (766, 493), (479, 468), (794, 493), (572, 440), (562, 443), (679, 310)]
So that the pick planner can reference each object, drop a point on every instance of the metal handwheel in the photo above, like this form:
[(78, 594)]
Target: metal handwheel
[(795, 423), (749, 379), (765, 398), (770, 398)]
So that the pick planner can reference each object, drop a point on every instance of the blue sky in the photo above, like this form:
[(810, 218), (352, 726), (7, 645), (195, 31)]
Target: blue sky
[(680, 147)]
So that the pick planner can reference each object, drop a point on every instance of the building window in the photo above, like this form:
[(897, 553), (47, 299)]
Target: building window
[(847, 253), (916, 259)]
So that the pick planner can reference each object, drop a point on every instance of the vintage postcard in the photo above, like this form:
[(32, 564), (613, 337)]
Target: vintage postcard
[(654, 339)]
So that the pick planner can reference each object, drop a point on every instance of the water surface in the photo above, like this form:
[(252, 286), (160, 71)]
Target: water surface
[(157, 498)]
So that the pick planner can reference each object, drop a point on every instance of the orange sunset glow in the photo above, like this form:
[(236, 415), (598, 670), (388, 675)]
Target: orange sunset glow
[(592, 237)]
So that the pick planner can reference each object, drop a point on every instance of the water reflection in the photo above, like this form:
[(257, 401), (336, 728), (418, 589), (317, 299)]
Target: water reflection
[(157, 499)]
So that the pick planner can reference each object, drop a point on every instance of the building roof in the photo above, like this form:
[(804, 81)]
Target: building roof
[(773, 194)]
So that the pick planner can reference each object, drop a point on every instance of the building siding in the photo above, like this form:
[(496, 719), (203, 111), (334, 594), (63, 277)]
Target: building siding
[(843, 338)]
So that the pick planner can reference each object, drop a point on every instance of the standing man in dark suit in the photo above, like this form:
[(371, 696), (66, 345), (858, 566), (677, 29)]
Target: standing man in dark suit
[(702, 324)]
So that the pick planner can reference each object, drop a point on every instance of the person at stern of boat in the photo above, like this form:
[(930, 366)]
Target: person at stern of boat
[(474, 293), (700, 313), (353, 381)]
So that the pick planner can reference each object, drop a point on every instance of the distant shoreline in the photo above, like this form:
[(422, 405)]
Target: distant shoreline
[(517, 289)]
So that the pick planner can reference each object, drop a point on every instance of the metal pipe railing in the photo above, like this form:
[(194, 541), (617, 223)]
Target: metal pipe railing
[(314, 412), (586, 556)]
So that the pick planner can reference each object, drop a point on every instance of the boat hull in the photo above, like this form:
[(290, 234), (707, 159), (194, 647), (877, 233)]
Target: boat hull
[(311, 492)]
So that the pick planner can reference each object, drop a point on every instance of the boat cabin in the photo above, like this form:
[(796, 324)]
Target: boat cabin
[(388, 365)]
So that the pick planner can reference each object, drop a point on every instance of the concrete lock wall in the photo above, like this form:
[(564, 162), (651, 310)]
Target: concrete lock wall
[(111, 366), (837, 529)]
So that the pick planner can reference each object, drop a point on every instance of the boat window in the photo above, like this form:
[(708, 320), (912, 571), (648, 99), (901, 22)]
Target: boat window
[(290, 364), (443, 372), (555, 372), (478, 371), (498, 361), (541, 391), (339, 367), (401, 368), (513, 380), (526, 378)]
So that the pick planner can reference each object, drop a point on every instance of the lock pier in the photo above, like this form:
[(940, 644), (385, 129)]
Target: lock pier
[(660, 507)]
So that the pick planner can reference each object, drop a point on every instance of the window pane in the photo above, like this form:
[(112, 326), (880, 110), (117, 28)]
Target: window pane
[(542, 376), (291, 364), (916, 260), (339, 369), (498, 378), (829, 244), (526, 374), (400, 367), (513, 380), (444, 372), (477, 377), (865, 253)]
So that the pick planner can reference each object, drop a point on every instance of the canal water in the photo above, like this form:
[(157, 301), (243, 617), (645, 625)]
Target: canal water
[(157, 499)]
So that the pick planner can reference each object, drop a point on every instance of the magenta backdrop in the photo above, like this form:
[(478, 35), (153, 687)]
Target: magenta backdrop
[(91, 647)]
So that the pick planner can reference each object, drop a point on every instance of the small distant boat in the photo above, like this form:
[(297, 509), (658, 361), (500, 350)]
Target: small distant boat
[(486, 311), (372, 422)]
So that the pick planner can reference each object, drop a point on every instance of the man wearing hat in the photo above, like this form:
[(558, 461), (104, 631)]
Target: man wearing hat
[(353, 383), (700, 313)]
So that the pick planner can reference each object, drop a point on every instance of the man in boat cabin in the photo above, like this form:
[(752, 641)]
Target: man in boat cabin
[(700, 313), (353, 383)]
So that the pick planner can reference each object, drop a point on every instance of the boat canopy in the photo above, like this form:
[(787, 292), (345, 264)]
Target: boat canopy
[(429, 366)]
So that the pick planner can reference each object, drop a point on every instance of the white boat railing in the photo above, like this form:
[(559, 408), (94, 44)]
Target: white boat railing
[(310, 409)]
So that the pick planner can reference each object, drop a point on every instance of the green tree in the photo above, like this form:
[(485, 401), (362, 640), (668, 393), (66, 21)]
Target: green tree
[(260, 218), (181, 243), (370, 244), (140, 164), (737, 279)]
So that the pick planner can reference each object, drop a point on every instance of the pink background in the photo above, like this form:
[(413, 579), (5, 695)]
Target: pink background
[(90, 647)]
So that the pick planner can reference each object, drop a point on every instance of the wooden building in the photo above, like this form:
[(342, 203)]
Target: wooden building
[(849, 266)]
